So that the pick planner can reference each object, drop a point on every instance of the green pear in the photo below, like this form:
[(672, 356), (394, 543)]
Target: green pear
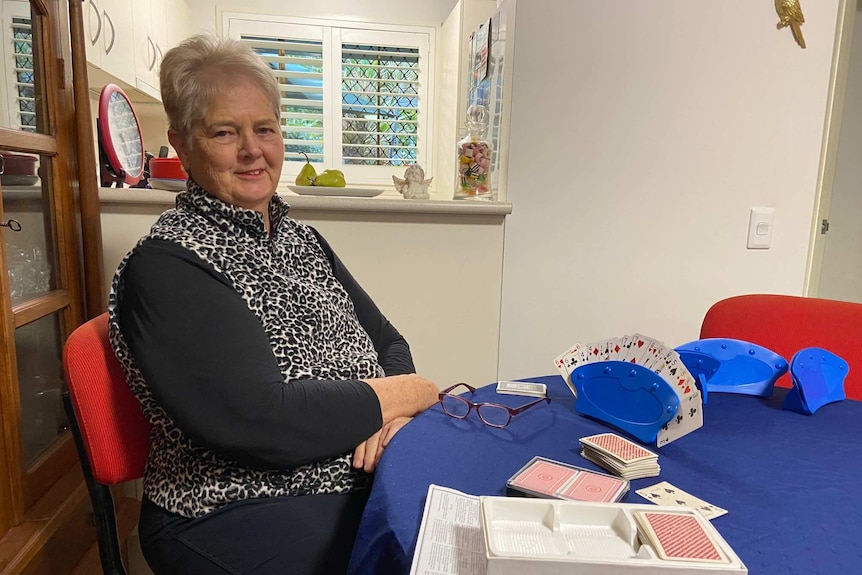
[(330, 179), (307, 175)]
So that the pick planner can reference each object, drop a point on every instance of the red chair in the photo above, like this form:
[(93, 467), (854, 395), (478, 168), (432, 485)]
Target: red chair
[(786, 324), (110, 432)]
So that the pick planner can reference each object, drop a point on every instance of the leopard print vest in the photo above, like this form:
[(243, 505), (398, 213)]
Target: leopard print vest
[(280, 277)]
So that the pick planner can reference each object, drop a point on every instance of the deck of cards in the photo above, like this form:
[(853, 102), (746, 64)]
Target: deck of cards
[(543, 477), (679, 537), (522, 388), (652, 354), (620, 456)]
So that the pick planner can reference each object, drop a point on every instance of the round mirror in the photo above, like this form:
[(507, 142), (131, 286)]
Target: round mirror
[(120, 135)]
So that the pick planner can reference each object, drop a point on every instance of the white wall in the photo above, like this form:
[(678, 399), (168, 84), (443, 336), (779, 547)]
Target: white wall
[(641, 135), (841, 276), (413, 12)]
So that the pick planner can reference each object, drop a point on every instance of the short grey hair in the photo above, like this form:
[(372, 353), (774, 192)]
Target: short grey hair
[(196, 70)]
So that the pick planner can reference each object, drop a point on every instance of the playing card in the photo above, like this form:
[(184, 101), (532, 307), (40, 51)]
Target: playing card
[(622, 449), (566, 362), (625, 344), (588, 486), (638, 347), (547, 478), (543, 477), (666, 494), (595, 352), (679, 537), (674, 371), (689, 417), (614, 348), (656, 353)]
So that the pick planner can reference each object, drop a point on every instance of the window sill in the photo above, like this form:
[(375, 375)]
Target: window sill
[(143, 197)]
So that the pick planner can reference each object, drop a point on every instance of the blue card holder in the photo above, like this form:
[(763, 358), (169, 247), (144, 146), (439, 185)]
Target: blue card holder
[(628, 397), (818, 378), (732, 366)]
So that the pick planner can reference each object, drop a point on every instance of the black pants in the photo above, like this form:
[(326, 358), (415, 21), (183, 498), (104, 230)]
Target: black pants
[(310, 535)]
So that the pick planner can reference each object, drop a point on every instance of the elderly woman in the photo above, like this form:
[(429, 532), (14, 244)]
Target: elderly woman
[(272, 380)]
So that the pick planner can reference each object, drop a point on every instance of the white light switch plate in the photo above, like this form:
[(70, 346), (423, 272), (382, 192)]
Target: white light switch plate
[(760, 227)]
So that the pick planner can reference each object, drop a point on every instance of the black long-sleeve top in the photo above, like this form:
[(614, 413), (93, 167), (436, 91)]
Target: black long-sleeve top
[(208, 363)]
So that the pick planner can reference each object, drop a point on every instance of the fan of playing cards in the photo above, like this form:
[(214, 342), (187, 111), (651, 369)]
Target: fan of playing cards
[(636, 384)]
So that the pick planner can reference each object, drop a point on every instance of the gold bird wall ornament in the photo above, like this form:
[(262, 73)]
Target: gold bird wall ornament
[(790, 13)]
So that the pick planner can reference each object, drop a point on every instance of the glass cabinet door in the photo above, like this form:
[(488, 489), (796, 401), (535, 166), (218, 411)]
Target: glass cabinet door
[(41, 292)]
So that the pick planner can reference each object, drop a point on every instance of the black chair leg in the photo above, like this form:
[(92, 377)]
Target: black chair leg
[(110, 553)]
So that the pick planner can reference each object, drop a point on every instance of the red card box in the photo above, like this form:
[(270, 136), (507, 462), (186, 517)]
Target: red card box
[(546, 478)]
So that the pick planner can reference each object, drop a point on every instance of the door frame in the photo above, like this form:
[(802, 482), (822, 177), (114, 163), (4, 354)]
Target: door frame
[(831, 136)]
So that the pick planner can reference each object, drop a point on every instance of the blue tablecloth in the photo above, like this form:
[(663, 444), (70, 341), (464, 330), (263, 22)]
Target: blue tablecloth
[(790, 482)]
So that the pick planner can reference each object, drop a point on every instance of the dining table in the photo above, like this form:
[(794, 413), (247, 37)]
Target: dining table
[(790, 482)]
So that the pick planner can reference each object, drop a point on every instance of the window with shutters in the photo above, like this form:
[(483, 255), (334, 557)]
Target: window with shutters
[(354, 96), (17, 37)]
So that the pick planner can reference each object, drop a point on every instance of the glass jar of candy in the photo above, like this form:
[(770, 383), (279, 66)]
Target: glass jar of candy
[(474, 157)]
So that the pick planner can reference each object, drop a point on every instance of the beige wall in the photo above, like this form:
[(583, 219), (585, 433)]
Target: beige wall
[(641, 135)]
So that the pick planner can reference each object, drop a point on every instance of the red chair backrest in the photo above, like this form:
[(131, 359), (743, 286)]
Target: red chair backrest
[(113, 428), (786, 324)]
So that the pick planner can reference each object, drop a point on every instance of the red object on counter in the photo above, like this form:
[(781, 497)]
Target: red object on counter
[(167, 169)]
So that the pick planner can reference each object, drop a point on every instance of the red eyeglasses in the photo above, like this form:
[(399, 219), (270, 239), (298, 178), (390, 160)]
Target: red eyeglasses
[(491, 414)]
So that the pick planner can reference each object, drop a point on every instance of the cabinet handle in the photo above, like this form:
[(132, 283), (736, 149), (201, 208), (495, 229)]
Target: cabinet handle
[(153, 48), (13, 225), (110, 46), (99, 29)]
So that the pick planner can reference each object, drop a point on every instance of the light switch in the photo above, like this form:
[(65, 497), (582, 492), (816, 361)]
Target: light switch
[(760, 224)]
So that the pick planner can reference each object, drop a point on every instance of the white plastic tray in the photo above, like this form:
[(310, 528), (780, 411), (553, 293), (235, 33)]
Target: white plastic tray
[(545, 537)]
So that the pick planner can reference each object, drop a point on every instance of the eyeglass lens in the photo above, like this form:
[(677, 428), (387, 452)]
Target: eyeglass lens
[(490, 414)]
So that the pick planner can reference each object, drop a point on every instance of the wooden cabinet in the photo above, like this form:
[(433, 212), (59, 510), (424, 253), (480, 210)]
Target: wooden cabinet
[(44, 508)]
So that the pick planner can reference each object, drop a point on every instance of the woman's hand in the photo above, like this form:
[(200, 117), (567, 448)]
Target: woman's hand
[(368, 453), (403, 395)]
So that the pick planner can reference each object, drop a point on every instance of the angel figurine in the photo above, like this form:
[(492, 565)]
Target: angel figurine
[(413, 186)]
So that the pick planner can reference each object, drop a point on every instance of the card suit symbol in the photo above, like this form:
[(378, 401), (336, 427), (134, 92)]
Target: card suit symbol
[(617, 349), (679, 419), (692, 412), (688, 389), (666, 490), (673, 371), (595, 351), (679, 502), (640, 343)]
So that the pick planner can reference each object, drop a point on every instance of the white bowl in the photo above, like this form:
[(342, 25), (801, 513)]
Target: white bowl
[(167, 184)]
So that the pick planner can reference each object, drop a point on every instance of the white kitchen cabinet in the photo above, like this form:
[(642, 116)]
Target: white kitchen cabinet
[(159, 25), (147, 49), (107, 26)]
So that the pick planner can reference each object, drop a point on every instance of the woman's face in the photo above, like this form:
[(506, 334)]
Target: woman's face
[(237, 148)]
